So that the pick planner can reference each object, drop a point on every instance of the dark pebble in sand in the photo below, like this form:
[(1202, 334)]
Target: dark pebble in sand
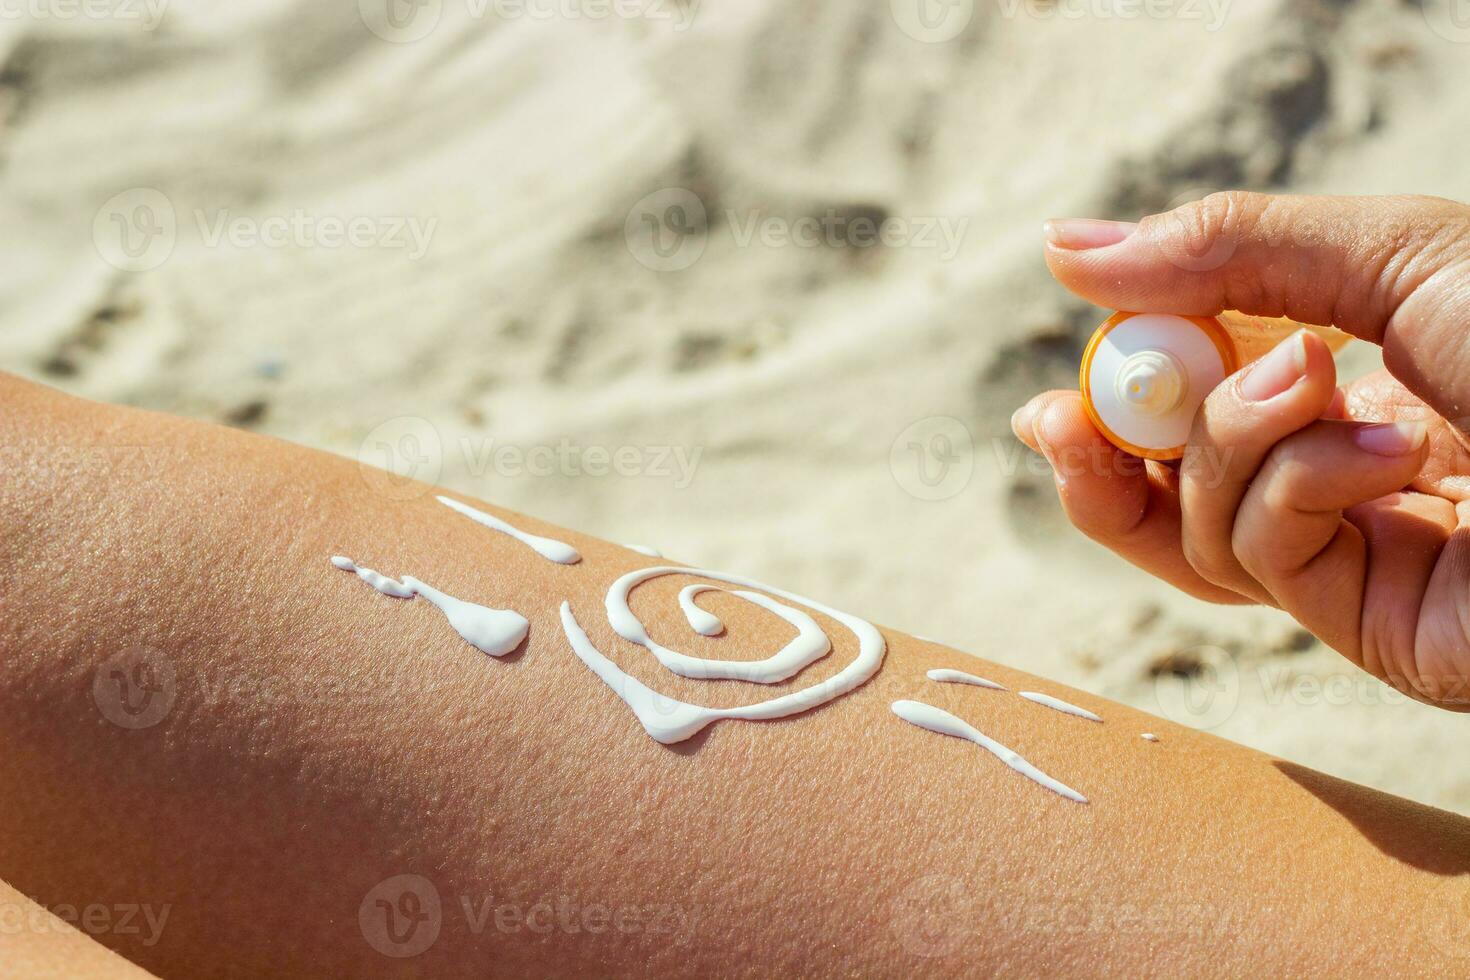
[(1178, 663), (1294, 641), (247, 413)]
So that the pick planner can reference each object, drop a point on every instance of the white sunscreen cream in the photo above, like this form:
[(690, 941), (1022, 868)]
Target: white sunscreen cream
[(701, 621), (946, 676), (548, 548), (493, 631), (937, 720), (668, 720), (809, 645), (1059, 705)]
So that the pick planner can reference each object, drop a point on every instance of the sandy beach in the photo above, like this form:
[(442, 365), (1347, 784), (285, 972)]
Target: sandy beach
[(756, 284)]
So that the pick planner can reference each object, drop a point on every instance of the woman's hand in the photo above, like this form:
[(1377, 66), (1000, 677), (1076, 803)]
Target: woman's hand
[(1349, 509)]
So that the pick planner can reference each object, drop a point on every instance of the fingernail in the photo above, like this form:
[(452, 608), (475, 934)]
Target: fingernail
[(1048, 450), (1080, 234), (1391, 438), (1038, 432), (1021, 420), (1337, 408), (1277, 371)]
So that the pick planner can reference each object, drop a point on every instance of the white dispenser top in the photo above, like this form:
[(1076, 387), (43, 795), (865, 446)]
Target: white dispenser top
[(1148, 376), (1152, 381)]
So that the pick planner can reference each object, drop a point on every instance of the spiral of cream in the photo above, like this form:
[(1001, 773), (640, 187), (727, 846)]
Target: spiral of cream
[(669, 720)]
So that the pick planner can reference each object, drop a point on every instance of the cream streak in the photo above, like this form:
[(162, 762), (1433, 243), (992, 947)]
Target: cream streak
[(937, 720), (1059, 705), (548, 548), (493, 631), (946, 676)]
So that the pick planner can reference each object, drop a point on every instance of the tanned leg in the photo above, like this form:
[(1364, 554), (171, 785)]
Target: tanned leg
[(315, 741)]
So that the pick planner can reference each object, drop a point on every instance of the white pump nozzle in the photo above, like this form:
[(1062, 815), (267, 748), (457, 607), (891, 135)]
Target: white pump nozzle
[(1152, 382)]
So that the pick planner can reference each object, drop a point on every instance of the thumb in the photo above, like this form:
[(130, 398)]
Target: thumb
[(1393, 270)]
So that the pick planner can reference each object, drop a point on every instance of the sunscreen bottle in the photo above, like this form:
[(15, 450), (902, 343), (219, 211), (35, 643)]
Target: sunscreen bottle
[(1144, 375)]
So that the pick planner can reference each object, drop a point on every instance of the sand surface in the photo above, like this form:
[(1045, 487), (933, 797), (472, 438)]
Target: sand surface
[(433, 240)]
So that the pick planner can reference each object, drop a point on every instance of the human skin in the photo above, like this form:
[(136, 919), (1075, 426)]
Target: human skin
[(322, 739), (1348, 509), (38, 945)]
